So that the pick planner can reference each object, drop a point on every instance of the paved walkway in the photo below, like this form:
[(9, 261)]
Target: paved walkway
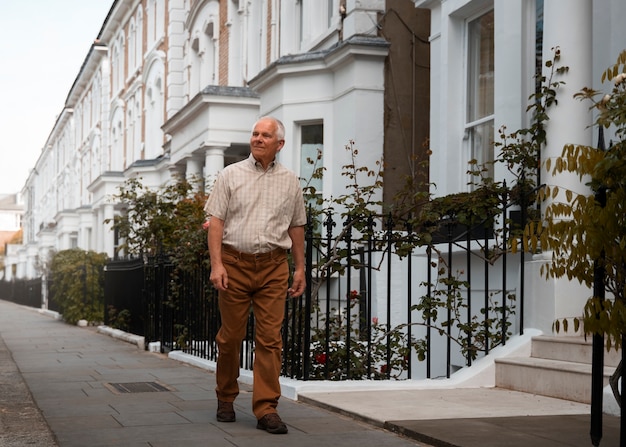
[(66, 386)]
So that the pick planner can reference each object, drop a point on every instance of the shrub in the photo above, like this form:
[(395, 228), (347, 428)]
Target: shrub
[(78, 284)]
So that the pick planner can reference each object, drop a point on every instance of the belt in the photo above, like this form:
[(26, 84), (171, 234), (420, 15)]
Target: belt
[(254, 256)]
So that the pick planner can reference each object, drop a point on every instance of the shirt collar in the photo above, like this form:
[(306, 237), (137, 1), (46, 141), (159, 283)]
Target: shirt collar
[(257, 165)]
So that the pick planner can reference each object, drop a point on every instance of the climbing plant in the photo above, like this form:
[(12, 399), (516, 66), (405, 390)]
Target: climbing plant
[(586, 232)]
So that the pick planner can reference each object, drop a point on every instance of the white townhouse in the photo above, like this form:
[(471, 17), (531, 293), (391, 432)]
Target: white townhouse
[(172, 88), (484, 56)]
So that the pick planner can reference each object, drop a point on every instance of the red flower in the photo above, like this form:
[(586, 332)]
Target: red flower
[(383, 369), (320, 358), (354, 295)]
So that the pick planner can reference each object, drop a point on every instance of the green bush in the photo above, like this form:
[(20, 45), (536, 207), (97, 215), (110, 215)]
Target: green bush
[(167, 220), (78, 284)]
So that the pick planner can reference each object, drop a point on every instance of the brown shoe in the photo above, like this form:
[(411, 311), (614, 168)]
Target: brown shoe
[(272, 423), (225, 411)]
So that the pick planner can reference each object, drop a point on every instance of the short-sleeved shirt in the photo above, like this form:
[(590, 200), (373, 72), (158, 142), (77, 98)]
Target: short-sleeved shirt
[(257, 206)]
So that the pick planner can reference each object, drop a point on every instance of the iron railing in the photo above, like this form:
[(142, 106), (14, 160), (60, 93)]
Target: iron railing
[(379, 302), (376, 295), (26, 292)]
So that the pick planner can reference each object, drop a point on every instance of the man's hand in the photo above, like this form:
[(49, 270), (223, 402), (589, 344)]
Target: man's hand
[(219, 277), (298, 285), (297, 254)]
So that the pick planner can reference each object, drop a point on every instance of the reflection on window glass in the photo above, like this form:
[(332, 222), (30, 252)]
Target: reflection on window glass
[(480, 91), (538, 43), (481, 62), (311, 155), (481, 140)]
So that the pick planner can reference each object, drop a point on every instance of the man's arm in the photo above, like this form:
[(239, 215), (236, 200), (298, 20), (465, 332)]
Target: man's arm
[(219, 278), (297, 253)]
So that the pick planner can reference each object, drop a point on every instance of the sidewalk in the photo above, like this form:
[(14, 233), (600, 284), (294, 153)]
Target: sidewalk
[(78, 378), (95, 390)]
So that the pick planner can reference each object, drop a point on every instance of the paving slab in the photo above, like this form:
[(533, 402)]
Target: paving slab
[(70, 373), (519, 431)]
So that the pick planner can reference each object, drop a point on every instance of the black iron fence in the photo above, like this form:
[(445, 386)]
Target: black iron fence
[(385, 302), (124, 299), (380, 302), (35, 292), (24, 292)]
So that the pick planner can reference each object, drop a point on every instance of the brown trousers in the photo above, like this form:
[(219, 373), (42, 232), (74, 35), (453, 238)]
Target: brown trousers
[(257, 281)]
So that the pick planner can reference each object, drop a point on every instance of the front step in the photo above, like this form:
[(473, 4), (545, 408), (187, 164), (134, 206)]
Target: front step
[(558, 367), (570, 349)]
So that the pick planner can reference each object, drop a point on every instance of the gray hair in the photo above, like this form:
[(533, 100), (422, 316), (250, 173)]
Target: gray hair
[(280, 127)]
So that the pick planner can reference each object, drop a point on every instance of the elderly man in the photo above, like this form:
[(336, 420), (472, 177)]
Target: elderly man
[(257, 214)]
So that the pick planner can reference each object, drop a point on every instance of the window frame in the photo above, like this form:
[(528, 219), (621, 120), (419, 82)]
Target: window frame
[(485, 154)]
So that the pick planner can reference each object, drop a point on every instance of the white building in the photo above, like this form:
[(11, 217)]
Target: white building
[(484, 55), (172, 87)]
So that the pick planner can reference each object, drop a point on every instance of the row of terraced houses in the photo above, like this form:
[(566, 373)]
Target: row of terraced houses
[(172, 87)]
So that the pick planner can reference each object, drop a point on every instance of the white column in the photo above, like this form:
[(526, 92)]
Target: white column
[(567, 25), (193, 171), (213, 163), (83, 230), (98, 226), (108, 234), (65, 241), (176, 172)]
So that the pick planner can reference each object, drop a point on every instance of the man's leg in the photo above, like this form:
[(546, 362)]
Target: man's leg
[(269, 309), (234, 305)]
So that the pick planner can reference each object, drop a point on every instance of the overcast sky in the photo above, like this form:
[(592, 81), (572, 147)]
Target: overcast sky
[(43, 44)]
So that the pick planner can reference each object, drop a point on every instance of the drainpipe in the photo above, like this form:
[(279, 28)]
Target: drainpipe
[(275, 30), (244, 11)]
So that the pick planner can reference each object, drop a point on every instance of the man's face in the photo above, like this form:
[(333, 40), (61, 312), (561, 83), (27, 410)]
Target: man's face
[(264, 144)]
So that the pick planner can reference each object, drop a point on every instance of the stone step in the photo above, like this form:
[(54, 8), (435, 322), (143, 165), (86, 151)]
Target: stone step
[(572, 349), (548, 377)]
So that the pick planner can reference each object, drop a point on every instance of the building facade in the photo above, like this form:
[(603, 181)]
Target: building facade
[(172, 88), (484, 57)]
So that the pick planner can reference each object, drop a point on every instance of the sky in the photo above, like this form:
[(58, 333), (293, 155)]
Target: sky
[(43, 44)]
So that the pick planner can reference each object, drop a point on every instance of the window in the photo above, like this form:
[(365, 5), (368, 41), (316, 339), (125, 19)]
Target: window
[(115, 62), (315, 19), (479, 127), (312, 158), (154, 111), (132, 47), (203, 58), (139, 38), (538, 44), (120, 64)]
